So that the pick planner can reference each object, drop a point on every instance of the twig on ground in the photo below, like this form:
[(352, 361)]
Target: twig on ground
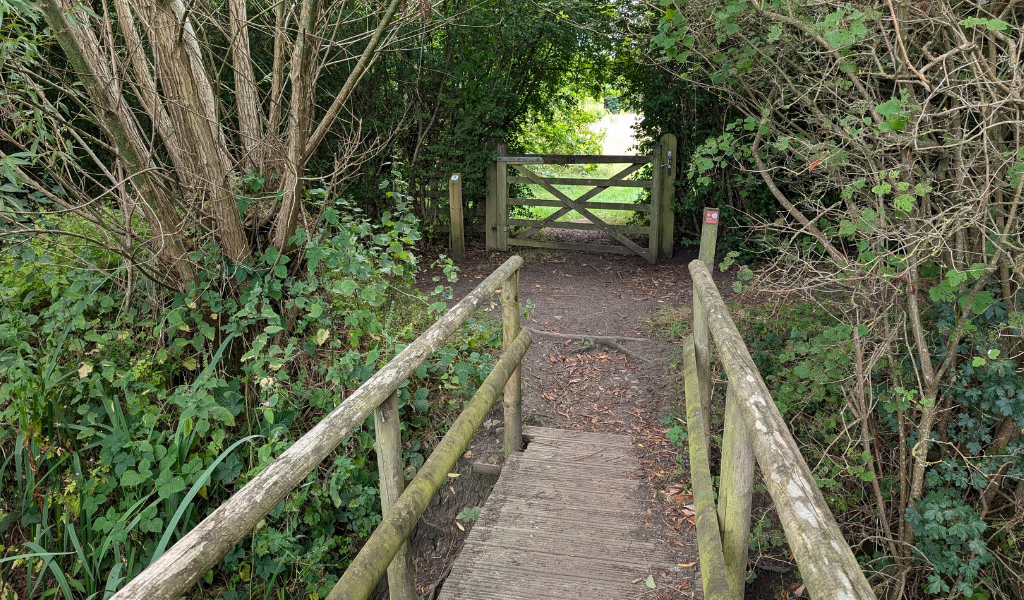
[(609, 341)]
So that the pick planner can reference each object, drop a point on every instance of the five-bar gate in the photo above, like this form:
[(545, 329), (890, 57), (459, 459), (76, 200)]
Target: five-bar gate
[(503, 230)]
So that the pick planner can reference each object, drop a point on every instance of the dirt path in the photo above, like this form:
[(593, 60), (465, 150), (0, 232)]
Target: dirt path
[(573, 385)]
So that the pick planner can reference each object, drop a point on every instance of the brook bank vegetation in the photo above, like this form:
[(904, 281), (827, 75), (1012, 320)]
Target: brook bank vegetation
[(889, 135), (211, 213)]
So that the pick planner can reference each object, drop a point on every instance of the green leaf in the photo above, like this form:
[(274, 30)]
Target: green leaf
[(131, 478), (420, 402), (649, 582), (904, 202), (978, 362), (168, 484), (469, 514), (346, 287), (187, 500)]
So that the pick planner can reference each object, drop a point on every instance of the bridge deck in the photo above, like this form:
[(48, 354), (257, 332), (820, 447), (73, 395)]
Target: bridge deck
[(563, 521)]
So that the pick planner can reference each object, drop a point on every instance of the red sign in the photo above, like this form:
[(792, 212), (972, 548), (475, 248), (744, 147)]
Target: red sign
[(711, 216)]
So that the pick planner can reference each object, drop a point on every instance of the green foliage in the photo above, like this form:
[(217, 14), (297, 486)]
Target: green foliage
[(562, 127), (130, 414), (668, 104), (470, 513), (804, 355), (948, 536), (494, 71)]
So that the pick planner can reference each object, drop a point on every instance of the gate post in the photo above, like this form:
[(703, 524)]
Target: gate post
[(491, 202), (669, 158), (501, 206), (657, 181)]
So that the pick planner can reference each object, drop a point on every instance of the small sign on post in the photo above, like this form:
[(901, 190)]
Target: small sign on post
[(711, 216)]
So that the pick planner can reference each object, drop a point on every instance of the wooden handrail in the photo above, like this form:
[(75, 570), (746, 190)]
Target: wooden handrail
[(173, 573), (359, 580), (826, 563)]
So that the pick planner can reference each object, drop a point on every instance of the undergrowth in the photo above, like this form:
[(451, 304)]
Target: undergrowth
[(129, 413)]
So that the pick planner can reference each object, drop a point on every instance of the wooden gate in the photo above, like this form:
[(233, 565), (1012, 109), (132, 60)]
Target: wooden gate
[(499, 225)]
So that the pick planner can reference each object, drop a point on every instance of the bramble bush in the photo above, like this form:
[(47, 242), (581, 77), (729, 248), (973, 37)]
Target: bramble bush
[(806, 356), (130, 413)]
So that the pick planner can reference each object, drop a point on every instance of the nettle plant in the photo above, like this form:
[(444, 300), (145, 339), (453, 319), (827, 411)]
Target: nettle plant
[(887, 134), (128, 417)]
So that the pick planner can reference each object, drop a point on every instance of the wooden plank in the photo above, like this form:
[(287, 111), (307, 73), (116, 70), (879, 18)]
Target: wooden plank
[(591, 204), (171, 575), (585, 197), (455, 210), (559, 527), (390, 466), (577, 159), (626, 183), (578, 207), (577, 226), (551, 434), (827, 565), (521, 159), (570, 246)]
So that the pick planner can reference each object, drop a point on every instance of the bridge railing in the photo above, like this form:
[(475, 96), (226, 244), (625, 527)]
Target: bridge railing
[(170, 575), (754, 430)]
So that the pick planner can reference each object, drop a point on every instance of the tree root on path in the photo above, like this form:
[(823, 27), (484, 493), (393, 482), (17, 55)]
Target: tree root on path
[(608, 341)]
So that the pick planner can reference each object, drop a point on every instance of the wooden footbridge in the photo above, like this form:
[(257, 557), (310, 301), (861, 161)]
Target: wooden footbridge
[(563, 520)]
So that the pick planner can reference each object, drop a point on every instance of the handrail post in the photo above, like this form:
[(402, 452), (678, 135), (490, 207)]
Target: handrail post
[(401, 573), (714, 578), (513, 401), (734, 497), (701, 341)]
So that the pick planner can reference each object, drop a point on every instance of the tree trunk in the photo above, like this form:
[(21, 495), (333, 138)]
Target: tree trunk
[(250, 116), (185, 97), (83, 51)]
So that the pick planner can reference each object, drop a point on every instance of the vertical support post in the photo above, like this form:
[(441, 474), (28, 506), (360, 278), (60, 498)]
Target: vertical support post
[(513, 401), (657, 181), (734, 497), (401, 573), (669, 158), (455, 208), (701, 342), (501, 185), (491, 205)]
